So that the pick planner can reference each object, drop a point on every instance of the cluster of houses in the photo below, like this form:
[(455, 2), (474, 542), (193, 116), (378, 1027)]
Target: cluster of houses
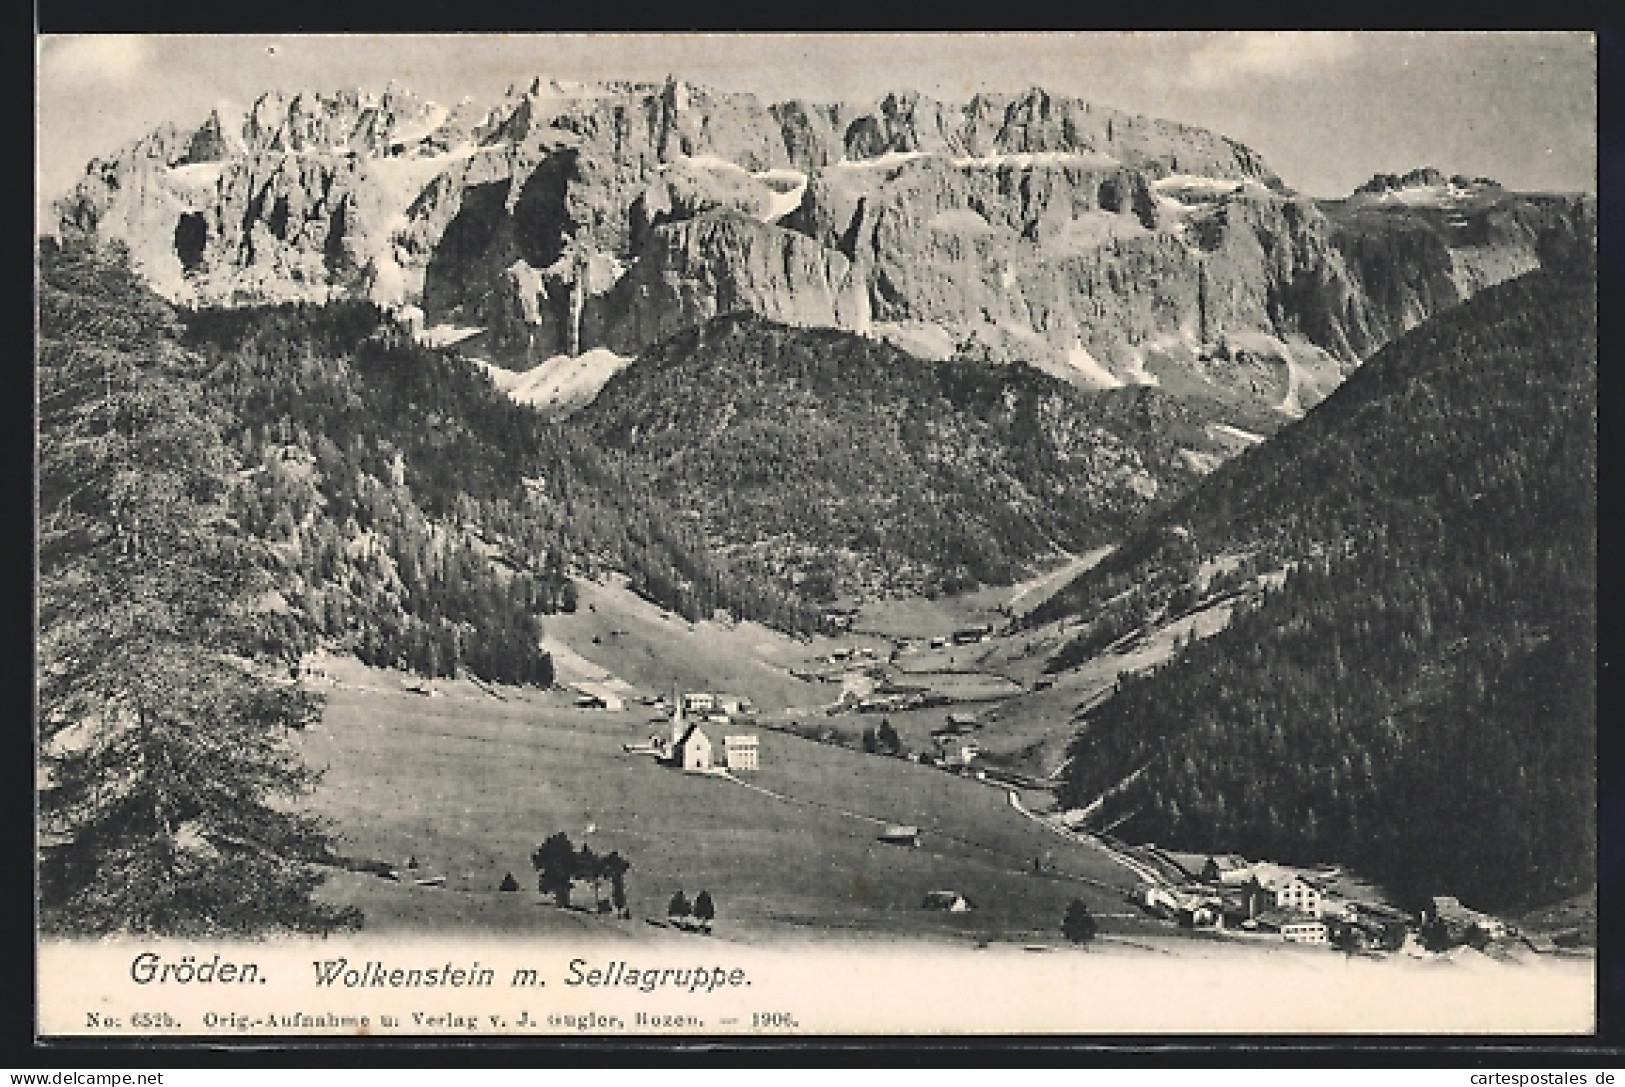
[(895, 698), (1460, 921), (834, 665), (687, 744), (840, 620), (955, 732), (1227, 891), (869, 689), (843, 665), (963, 636)]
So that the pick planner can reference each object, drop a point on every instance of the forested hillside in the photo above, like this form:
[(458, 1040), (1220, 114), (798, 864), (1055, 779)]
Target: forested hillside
[(431, 520), (1417, 698), (837, 463)]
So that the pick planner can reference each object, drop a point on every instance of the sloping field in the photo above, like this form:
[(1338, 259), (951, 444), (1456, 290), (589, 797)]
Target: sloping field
[(469, 785), (656, 650)]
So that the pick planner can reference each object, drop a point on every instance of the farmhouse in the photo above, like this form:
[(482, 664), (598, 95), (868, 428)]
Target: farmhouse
[(958, 753), (1229, 868), (1458, 917), (742, 752), (1199, 915), (1291, 890), (901, 834), (856, 686), (656, 746), (951, 901), (1299, 931), (1155, 898), (1281, 921), (1338, 909), (700, 702)]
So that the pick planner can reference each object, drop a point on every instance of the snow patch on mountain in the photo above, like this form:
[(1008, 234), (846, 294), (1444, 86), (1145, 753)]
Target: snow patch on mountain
[(196, 175), (562, 383), (713, 163), (1246, 437), (446, 335), (1078, 357), (1424, 195), (960, 221), (788, 188), (1178, 186), (1134, 371), (411, 132), (1292, 403), (919, 338), (1199, 462), (1098, 160), (891, 160)]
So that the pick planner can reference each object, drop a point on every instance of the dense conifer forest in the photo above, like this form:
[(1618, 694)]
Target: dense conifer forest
[(833, 462), (431, 520), (1417, 697)]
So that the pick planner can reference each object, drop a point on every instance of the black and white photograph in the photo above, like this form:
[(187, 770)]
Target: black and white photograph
[(704, 534)]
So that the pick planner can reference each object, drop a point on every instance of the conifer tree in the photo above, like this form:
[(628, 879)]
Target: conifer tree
[(705, 911), (165, 806), (555, 861)]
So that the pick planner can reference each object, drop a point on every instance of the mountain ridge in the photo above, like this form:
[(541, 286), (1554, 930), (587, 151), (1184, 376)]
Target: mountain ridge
[(1105, 247)]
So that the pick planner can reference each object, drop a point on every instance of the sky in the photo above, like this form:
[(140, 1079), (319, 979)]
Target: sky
[(1325, 109)]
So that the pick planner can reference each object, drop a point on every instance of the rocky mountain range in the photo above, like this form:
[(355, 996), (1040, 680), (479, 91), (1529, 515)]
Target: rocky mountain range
[(1103, 247)]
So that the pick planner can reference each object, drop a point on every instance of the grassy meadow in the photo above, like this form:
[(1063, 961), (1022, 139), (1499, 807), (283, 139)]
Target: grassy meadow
[(468, 784)]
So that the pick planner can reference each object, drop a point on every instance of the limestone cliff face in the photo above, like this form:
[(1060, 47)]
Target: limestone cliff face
[(1047, 253), (724, 262), (1102, 246)]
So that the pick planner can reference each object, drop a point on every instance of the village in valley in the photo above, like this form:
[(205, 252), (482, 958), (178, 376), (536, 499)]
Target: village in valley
[(1221, 893), (926, 760)]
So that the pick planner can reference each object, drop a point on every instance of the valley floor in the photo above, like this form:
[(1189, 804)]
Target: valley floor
[(466, 786), (453, 785)]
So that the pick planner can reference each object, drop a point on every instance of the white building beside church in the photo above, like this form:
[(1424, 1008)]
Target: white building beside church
[(742, 752)]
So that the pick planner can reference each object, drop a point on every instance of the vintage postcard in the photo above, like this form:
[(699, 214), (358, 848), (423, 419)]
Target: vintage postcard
[(789, 535)]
